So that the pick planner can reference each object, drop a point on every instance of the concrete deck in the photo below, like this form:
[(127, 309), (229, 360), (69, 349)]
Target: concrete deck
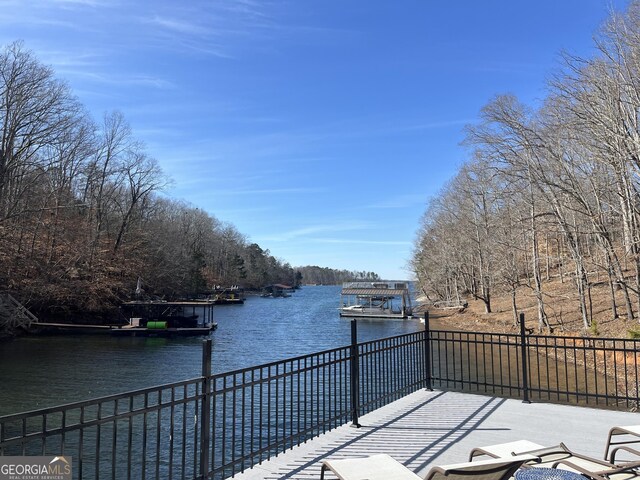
[(438, 428)]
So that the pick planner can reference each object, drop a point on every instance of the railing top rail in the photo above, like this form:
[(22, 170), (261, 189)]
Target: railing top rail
[(585, 338), (471, 333), (97, 400), (306, 356), (240, 371), (386, 339), (537, 336)]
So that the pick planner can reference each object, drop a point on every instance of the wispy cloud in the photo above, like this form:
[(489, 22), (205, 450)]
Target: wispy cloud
[(278, 139), (349, 241), (65, 62), (400, 201), (271, 152), (84, 3), (47, 12), (356, 128), (179, 26), (433, 125), (211, 28), (43, 4), (129, 80), (507, 67), (249, 8), (230, 213), (268, 191), (312, 231), (13, 18)]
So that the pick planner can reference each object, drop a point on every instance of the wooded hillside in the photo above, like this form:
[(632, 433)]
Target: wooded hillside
[(82, 217), (549, 191), (329, 276)]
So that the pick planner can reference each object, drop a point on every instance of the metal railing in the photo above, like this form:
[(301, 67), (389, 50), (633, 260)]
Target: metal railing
[(600, 372), (218, 425)]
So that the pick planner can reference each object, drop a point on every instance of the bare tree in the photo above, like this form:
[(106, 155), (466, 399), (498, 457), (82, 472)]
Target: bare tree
[(35, 111)]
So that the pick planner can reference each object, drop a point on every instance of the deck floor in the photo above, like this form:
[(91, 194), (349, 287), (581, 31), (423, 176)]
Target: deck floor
[(437, 428)]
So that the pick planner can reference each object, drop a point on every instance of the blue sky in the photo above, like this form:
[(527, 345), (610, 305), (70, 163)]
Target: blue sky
[(320, 129)]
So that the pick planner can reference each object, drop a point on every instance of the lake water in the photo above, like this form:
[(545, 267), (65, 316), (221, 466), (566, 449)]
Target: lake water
[(43, 371)]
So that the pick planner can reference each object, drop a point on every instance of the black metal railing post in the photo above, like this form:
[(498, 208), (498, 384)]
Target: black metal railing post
[(427, 353), (205, 413), (355, 375), (524, 353)]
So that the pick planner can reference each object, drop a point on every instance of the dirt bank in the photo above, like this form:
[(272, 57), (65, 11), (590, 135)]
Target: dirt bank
[(561, 305)]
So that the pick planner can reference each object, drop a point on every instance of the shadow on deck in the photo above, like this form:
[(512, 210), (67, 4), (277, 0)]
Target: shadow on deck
[(437, 428)]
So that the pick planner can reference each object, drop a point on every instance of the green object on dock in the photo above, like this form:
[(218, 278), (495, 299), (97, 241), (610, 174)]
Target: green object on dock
[(157, 325)]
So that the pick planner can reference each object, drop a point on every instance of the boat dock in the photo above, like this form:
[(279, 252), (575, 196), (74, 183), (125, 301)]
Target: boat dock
[(375, 300), (159, 309), (147, 319), (228, 296)]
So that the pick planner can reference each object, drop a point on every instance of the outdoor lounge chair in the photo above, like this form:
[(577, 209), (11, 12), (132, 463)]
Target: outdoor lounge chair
[(624, 436), (560, 456), (505, 449), (384, 467)]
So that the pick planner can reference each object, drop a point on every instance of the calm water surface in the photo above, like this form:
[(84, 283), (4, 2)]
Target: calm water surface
[(43, 371)]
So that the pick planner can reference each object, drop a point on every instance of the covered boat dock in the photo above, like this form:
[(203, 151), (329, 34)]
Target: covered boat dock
[(375, 300), (160, 318)]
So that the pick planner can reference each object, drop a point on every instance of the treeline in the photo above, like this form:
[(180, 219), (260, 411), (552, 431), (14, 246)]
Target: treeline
[(330, 276), (81, 215), (548, 191)]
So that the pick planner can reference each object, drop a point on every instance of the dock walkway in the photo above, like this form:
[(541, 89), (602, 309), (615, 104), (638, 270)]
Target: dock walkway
[(437, 428)]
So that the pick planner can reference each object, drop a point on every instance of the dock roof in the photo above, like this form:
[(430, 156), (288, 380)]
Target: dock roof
[(386, 292)]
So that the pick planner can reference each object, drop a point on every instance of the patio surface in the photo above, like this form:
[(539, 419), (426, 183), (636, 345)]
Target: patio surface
[(437, 428)]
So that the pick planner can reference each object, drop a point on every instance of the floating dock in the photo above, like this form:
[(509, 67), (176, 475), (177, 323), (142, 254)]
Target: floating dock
[(120, 330), (127, 331)]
